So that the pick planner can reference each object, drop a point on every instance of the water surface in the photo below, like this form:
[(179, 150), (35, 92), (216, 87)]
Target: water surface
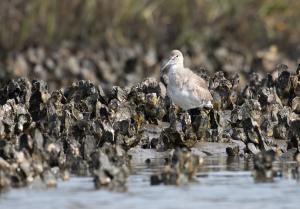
[(221, 183)]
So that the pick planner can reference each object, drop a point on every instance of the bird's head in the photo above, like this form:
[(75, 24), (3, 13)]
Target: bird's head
[(175, 58)]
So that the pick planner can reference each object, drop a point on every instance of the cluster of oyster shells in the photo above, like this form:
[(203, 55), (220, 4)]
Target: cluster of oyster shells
[(85, 128)]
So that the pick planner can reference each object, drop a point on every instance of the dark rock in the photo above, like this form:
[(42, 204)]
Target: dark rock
[(110, 168), (181, 170), (263, 166), (38, 100), (233, 151)]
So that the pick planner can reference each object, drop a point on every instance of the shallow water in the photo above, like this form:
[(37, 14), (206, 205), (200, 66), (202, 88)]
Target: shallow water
[(221, 183)]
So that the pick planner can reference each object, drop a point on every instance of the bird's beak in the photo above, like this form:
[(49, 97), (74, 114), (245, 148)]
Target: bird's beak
[(166, 64)]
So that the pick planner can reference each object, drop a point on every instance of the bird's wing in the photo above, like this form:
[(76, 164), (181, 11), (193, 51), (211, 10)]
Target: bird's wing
[(202, 93), (195, 78), (197, 85)]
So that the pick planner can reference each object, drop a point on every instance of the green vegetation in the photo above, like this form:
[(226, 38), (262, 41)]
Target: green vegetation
[(176, 22)]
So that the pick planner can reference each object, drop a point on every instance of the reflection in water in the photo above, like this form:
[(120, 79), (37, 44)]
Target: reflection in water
[(221, 183)]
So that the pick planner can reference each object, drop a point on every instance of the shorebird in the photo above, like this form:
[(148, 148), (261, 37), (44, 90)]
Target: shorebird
[(186, 89)]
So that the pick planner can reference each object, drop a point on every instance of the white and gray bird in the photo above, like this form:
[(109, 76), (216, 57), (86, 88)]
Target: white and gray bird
[(185, 88)]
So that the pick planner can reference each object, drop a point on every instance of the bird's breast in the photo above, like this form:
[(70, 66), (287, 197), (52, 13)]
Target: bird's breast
[(173, 76)]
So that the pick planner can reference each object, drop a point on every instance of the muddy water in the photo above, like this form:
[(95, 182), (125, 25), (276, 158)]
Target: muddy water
[(221, 183)]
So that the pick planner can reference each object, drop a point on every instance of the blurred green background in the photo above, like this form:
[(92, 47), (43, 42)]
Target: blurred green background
[(252, 24)]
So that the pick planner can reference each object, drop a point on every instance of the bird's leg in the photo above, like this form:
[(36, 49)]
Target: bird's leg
[(194, 113), (172, 116), (185, 120)]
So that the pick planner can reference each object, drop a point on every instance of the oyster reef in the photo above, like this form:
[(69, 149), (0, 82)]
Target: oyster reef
[(53, 128)]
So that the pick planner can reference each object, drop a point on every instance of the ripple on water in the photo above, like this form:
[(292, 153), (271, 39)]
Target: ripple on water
[(220, 184)]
